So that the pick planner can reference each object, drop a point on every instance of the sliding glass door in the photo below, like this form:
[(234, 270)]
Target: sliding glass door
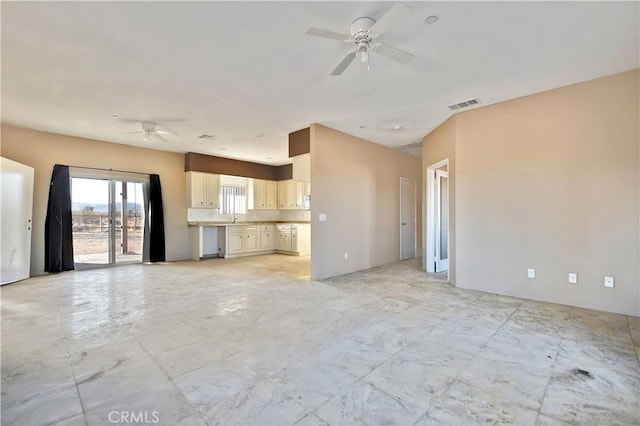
[(108, 221), (129, 220)]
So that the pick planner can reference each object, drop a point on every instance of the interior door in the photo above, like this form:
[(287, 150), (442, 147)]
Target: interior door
[(442, 221), (15, 228), (407, 219)]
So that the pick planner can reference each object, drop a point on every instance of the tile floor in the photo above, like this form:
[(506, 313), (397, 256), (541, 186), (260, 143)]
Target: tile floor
[(251, 341)]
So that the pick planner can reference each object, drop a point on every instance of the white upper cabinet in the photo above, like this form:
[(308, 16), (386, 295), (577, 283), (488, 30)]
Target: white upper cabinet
[(285, 197), (212, 184), (259, 194), (202, 190), (265, 194), (271, 189), (291, 194)]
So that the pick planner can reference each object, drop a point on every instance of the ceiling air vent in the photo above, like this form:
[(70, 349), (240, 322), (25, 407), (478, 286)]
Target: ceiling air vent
[(207, 137), (464, 104)]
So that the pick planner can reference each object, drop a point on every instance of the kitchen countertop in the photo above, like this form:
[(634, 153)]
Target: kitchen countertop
[(204, 223)]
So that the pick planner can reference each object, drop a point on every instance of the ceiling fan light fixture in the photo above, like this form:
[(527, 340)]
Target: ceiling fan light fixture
[(363, 52)]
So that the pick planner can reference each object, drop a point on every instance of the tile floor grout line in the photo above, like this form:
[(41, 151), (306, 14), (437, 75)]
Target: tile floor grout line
[(70, 362), (633, 342), (481, 348), (169, 378), (555, 358)]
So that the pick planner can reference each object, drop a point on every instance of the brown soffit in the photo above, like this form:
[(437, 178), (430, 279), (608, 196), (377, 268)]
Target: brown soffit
[(194, 162), (299, 142)]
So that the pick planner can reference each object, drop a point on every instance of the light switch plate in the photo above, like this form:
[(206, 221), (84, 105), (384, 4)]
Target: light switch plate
[(573, 278), (322, 217), (608, 282), (531, 273)]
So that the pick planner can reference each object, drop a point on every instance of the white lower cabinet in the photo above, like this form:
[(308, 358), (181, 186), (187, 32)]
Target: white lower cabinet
[(284, 238), (235, 243), (294, 238), (251, 239), (248, 240), (242, 239), (267, 237)]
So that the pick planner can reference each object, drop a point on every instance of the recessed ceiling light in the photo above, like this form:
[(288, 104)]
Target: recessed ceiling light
[(397, 127), (222, 149), (431, 20), (115, 117), (259, 135), (361, 126), (269, 158)]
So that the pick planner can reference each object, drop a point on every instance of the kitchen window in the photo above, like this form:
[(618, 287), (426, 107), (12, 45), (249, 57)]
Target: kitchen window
[(233, 199)]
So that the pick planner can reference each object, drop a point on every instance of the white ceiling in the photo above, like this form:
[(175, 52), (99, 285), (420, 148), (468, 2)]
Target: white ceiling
[(236, 69)]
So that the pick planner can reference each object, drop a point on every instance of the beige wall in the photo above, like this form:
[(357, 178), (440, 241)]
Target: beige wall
[(551, 182), (441, 146), (42, 150), (356, 183)]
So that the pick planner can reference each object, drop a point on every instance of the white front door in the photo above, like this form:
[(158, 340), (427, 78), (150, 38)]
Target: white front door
[(17, 207), (442, 221), (407, 219)]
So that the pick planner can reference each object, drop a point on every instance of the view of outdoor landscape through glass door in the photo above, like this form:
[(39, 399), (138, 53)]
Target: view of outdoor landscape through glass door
[(108, 221)]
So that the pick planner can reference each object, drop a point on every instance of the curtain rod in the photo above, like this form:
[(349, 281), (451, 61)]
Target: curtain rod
[(109, 170)]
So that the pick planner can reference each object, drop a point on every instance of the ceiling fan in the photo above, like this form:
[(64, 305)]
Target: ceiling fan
[(150, 130), (364, 32)]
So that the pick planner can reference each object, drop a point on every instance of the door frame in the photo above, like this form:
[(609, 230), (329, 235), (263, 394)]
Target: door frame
[(112, 177), (415, 216), (439, 174), (430, 219)]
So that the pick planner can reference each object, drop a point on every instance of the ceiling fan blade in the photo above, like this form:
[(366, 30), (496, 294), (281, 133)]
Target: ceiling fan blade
[(162, 130), (127, 120), (132, 133), (393, 53), (137, 120), (345, 63), (160, 138), (390, 19), (318, 32)]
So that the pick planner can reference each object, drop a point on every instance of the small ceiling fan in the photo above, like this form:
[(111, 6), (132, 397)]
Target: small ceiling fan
[(364, 32), (150, 130)]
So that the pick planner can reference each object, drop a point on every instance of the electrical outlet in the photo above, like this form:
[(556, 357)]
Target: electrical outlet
[(573, 278), (346, 255), (531, 273), (608, 282)]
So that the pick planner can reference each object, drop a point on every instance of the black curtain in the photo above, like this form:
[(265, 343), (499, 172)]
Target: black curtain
[(156, 237), (58, 236)]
